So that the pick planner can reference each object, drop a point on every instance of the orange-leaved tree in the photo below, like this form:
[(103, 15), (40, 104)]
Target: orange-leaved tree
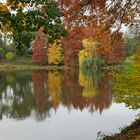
[(111, 44)]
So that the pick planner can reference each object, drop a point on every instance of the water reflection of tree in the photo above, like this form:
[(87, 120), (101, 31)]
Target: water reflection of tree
[(42, 105), (93, 91), (37, 93), (71, 95), (54, 84), (103, 99), (16, 100)]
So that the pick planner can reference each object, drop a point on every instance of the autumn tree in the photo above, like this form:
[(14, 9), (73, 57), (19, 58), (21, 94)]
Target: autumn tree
[(72, 44), (76, 15), (18, 16), (103, 15), (106, 12), (111, 44)]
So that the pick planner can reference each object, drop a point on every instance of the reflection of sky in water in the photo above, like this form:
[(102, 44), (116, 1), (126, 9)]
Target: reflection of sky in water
[(59, 106), (64, 125)]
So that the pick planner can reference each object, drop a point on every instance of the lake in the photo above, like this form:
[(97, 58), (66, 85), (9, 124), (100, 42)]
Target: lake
[(59, 105)]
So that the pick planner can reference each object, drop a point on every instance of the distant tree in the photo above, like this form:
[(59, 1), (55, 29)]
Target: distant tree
[(131, 45), (1, 41), (132, 40), (97, 18)]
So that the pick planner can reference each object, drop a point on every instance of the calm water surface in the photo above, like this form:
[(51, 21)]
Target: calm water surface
[(59, 105)]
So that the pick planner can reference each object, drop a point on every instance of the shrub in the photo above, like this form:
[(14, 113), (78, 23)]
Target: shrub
[(55, 54), (88, 56), (1, 53), (9, 56), (9, 78), (94, 62), (9, 48)]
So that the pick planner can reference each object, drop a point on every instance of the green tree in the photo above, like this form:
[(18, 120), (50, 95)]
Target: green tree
[(132, 40), (131, 45), (1, 41), (27, 16)]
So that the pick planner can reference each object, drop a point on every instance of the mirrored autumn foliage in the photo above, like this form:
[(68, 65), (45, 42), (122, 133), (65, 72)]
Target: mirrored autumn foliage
[(39, 92)]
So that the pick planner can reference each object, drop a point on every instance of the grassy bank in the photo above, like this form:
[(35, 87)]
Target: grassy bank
[(18, 61), (131, 132), (25, 63), (8, 67)]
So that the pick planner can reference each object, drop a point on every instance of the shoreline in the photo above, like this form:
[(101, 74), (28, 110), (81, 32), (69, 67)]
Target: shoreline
[(9, 66), (4, 66), (131, 132)]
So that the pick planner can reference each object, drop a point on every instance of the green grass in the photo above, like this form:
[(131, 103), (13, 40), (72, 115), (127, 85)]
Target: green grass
[(129, 61), (126, 64), (25, 63), (9, 67), (22, 61), (19, 60)]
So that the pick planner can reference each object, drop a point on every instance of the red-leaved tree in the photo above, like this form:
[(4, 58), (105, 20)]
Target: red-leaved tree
[(39, 54)]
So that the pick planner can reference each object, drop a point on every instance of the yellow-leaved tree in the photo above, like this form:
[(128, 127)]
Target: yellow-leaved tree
[(55, 54), (87, 55)]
